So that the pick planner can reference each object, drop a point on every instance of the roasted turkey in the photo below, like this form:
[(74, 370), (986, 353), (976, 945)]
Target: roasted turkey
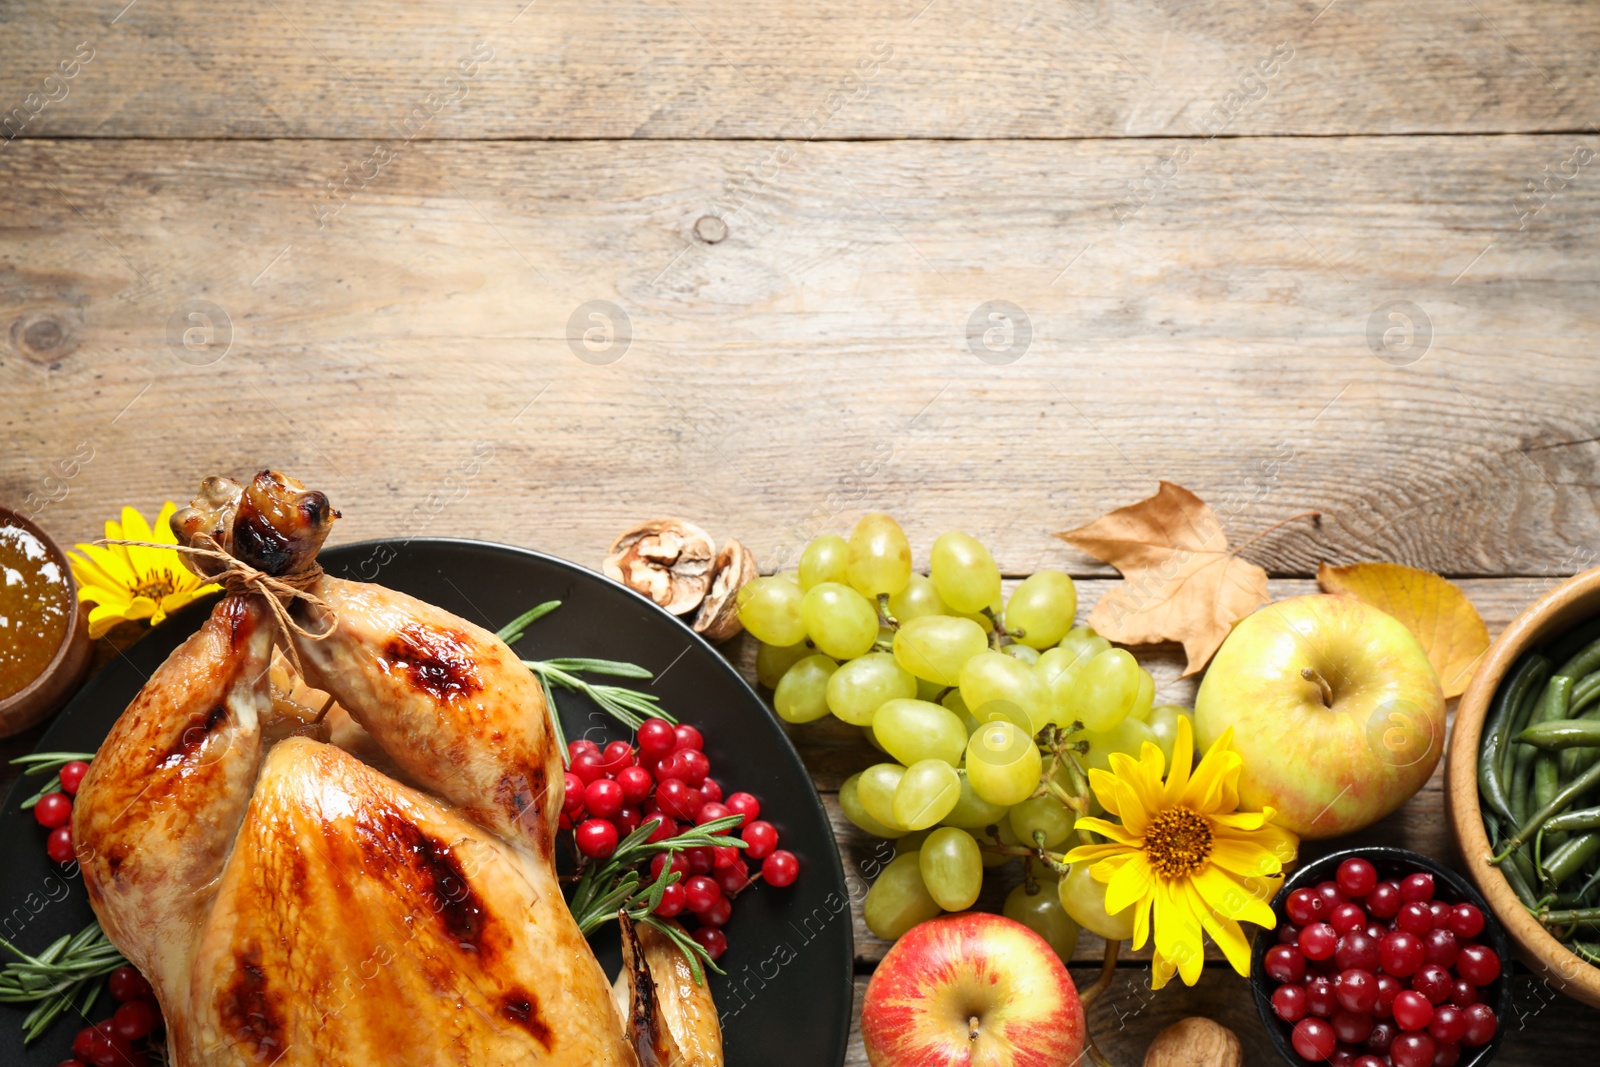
[(391, 899)]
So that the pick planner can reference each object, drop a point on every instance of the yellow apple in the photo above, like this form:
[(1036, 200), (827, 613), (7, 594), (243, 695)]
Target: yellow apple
[(1334, 707)]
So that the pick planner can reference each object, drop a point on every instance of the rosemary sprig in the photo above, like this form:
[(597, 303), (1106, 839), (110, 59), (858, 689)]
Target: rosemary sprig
[(47, 763), (618, 885), (65, 975)]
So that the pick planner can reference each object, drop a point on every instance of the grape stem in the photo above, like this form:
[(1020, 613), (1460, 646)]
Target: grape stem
[(1108, 970), (885, 614)]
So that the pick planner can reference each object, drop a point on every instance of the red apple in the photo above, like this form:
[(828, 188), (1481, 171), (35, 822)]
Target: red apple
[(972, 990)]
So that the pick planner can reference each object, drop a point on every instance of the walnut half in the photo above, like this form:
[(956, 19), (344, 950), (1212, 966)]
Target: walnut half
[(667, 560), (718, 619)]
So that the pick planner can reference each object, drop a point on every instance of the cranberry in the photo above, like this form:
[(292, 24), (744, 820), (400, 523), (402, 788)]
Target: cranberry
[(700, 859), (1478, 964), (1441, 914), (1368, 1061), (695, 765), (1356, 991), (83, 1042), (1414, 918), (1305, 906), (137, 1019), (1447, 1055), (1481, 1025), (1377, 931), (1412, 1050), (1313, 1039), (1417, 888), (746, 805), (1412, 1010), (58, 846), (1384, 900), (1347, 917), (677, 861), (1330, 891), (572, 795), (1351, 1026), (687, 737), (713, 940), (586, 765), (657, 736), (1288, 933), (733, 879), (595, 838), (1466, 920), (1382, 1036), (1289, 1001), (1356, 877), (617, 755), (725, 856), (1463, 993), (1388, 988), (781, 868), (761, 838), (1357, 949), (671, 767), (1318, 941), (1401, 953), (710, 789), (1433, 982), (1341, 1057), (700, 893), (719, 913), (1284, 963), (672, 901), (635, 783), (1320, 1000), (678, 799), (1441, 947), (53, 810), (128, 984), (710, 811), (72, 776), (602, 798), (665, 828), (1449, 1024)]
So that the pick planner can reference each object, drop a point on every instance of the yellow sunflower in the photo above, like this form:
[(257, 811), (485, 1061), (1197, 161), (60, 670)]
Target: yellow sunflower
[(1182, 856), (133, 582)]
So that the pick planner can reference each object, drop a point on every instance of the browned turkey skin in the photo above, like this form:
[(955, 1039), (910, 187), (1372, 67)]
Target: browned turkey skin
[(293, 905)]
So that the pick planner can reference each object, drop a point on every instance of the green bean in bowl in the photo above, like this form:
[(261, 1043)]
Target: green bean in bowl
[(1539, 785)]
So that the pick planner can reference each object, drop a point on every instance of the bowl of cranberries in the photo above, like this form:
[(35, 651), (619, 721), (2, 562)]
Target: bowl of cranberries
[(1382, 958)]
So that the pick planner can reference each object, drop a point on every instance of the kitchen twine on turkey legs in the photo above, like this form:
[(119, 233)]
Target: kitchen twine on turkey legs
[(237, 576)]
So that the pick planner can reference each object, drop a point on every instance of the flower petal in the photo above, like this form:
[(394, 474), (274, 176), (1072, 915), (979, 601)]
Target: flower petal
[(1115, 831), (1226, 896), (1182, 760), (101, 619), (1104, 785), (140, 607), (1261, 852), (1229, 938), (162, 529), (112, 564), (1178, 929), (1131, 885), (1094, 853), (1161, 970), (1206, 788)]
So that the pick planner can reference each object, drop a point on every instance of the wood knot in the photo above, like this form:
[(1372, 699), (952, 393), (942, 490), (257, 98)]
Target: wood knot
[(710, 229), (42, 337)]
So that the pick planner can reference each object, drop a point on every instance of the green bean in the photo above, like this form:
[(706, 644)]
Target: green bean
[(1581, 819), (1498, 727), (1546, 780), (1523, 710), (1570, 857), (1574, 760), (1585, 692), (1583, 662), (1536, 791), (1569, 733), (1519, 882), (1559, 803), (1585, 917)]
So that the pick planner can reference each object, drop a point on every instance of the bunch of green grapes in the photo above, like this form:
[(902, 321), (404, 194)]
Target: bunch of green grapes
[(966, 692)]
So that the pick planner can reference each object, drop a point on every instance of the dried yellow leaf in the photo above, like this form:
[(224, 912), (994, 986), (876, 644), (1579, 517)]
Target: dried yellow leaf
[(1433, 608)]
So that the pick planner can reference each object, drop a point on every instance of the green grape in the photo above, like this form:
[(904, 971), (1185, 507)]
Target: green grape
[(991, 678), (1163, 722), (773, 660), (1084, 900), (1058, 668), (790, 576), (770, 609), (952, 868), (802, 692), (926, 793), (1104, 689), (1022, 653), (912, 842), (879, 559), (964, 572), (823, 561), (1045, 814), (953, 701), (872, 739), (1145, 700), (856, 812), (898, 900), (937, 646), (978, 617), (915, 730), (858, 688), (917, 600), (1041, 912), (1003, 763), (839, 620), (927, 690), (875, 787), (1084, 642), (972, 812), (1128, 737), (1042, 608)]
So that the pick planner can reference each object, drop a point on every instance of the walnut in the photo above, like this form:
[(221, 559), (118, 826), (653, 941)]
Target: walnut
[(718, 619), (1195, 1042), (667, 560)]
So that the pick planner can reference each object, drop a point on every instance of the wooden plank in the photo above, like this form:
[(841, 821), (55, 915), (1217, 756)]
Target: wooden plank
[(883, 68), (817, 361)]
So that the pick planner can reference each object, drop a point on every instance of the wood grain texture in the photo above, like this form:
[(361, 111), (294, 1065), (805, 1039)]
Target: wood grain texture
[(774, 68), (816, 362)]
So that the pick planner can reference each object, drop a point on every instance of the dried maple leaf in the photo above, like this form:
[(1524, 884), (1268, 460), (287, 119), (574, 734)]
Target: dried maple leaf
[(1181, 581), (1433, 608)]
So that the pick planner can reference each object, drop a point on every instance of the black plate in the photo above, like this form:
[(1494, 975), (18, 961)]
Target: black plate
[(787, 996)]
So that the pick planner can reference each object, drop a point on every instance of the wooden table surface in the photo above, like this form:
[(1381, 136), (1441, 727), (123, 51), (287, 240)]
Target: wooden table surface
[(532, 271)]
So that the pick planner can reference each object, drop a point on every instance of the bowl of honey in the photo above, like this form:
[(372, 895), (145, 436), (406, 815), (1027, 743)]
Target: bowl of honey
[(44, 634)]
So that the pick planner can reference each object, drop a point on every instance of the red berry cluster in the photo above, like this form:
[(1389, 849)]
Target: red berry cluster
[(611, 792), (54, 812), (114, 1042), (1380, 974)]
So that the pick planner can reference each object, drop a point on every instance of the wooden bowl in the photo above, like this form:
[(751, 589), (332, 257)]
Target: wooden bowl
[(1564, 607), (61, 677)]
